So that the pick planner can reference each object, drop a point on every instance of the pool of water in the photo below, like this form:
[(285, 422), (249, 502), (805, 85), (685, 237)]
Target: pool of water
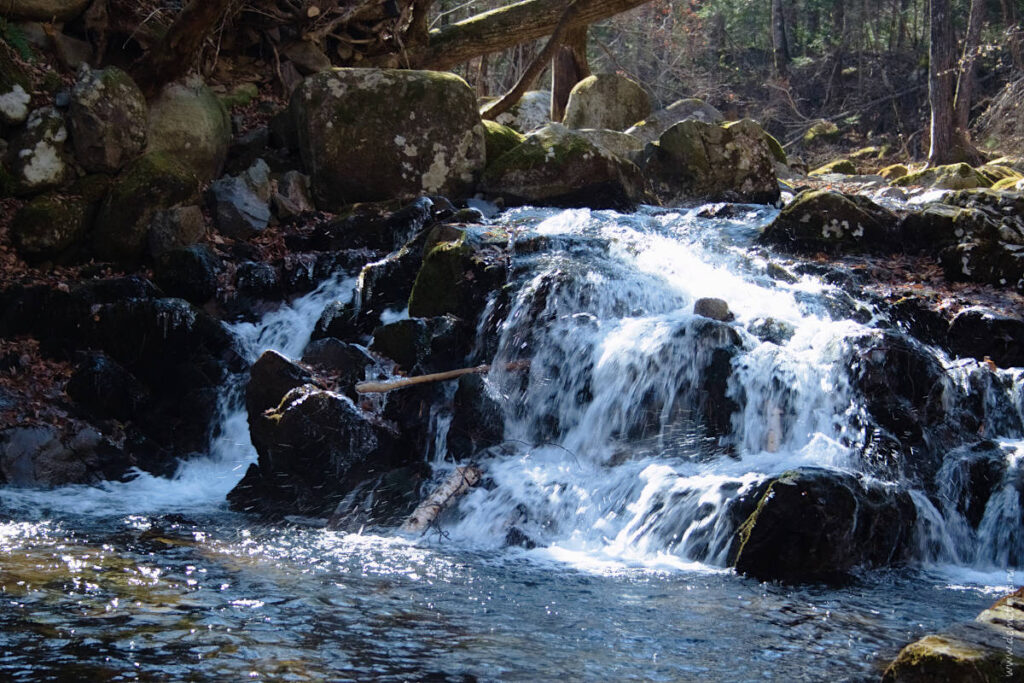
[(211, 597)]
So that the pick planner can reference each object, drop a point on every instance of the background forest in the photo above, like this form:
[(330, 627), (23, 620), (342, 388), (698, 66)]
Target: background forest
[(862, 65)]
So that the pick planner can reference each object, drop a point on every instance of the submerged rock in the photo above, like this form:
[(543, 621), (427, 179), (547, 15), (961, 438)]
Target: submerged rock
[(815, 524), (606, 101), (984, 650), (555, 166), (695, 160), (376, 134)]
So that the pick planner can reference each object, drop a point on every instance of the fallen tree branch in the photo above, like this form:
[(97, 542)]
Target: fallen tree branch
[(539, 63), (457, 484), (391, 385)]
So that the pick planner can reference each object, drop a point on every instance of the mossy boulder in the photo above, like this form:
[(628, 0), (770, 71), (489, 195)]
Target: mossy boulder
[(950, 177), (499, 139), (775, 147), (843, 166), (699, 161), (823, 220), (621, 145), (189, 123), (556, 166), (36, 157), (606, 101), (377, 134), (152, 183), (894, 171), (871, 152), (985, 650), (50, 225), (456, 277), (652, 127), (532, 111), (821, 132), (108, 119), (239, 96), (814, 524), (1013, 184)]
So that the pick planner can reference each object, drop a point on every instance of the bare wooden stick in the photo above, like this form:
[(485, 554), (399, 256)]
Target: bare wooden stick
[(457, 484), (391, 385)]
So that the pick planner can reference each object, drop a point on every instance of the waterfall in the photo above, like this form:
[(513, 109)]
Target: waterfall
[(639, 422)]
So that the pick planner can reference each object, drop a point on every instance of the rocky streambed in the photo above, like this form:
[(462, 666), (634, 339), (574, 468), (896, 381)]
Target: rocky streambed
[(799, 394)]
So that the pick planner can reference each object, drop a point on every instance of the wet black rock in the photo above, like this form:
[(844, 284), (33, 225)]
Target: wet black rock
[(105, 389), (375, 228), (979, 333), (189, 273), (317, 447), (345, 363), (478, 421), (818, 525), (46, 455), (422, 345), (258, 281), (382, 501)]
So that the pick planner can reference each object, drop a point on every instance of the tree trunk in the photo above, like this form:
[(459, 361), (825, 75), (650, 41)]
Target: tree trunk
[(780, 45), (965, 81), (533, 71), (569, 67), (941, 79), (173, 58), (497, 30)]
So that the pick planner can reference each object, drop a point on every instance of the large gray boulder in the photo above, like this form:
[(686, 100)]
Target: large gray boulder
[(532, 111), (108, 119), (606, 101), (188, 122), (825, 220), (376, 134), (651, 128), (699, 161), (556, 166)]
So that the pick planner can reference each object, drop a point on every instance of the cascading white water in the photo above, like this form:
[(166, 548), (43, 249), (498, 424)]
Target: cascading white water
[(606, 457), (204, 482)]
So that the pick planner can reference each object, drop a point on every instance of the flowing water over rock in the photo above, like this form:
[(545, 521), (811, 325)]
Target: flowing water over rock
[(633, 446)]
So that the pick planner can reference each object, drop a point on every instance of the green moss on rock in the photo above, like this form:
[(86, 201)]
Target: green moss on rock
[(843, 166), (500, 139), (775, 147), (823, 220), (894, 171), (699, 161), (151, 183), (375, 134), (556, 166), (821, 131), (456, 277), (951, 177), (49, 225)]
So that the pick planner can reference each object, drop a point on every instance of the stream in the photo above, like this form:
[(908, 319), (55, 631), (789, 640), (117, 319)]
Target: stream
[(615, 465)]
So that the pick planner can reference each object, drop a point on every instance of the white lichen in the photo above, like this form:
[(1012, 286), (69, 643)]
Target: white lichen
[(14, 104)]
